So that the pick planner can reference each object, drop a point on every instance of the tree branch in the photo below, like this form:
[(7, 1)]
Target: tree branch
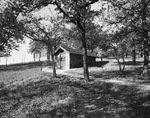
[(64, 13), (88, 4)]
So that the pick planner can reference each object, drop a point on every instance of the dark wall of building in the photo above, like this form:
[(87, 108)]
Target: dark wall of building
[(91, 61), (77, 61)]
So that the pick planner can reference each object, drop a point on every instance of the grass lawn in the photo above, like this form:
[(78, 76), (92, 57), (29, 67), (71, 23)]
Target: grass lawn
[(28, 92)]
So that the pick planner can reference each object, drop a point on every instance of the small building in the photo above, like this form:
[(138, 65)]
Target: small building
[(72, 58)]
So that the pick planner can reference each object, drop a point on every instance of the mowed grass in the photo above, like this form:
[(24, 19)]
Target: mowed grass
[(28, 92)]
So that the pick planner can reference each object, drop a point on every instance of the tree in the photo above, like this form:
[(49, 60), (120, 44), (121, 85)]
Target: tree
[(78, 13), (134, 15), (35, 47), (5, 53), (10, 31), (48, 34), (71, 37), (119, 47), (94, 36), (104, 45), (145, 38), (134, 45), (97, 40)]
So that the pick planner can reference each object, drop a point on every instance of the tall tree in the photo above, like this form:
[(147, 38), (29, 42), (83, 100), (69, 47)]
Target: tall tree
[(134, 44), (133, 14), (10, 30), (144, 16), (119, 47), (47, 34), (71, 37), (36, 47), (94, 35), (78, 13)]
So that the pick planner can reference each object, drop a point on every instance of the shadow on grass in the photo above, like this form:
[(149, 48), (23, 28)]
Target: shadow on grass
[(110, 74), (63, 97), (100, 63), (134, 75), (21, 66), (115, 101), (132, 63)]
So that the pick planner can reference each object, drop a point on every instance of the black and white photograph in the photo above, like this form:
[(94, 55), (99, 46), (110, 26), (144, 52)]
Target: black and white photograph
[(74, 58)]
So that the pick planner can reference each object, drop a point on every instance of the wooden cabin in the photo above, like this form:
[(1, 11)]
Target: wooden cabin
[(72, 58)]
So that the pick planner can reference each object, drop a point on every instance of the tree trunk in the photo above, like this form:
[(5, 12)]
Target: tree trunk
[(39, 56), (85, 65), (134, 56), (119, 63), (101, 58), (141, 54), (121, 68), (48, 54), (145, 39), (126, 54), (123, 63), (133, 52), (53, 61), (6, 60), (34, 56), (146, 55)]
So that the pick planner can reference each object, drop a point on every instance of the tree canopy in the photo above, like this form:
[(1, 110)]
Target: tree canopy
[(10, 30)]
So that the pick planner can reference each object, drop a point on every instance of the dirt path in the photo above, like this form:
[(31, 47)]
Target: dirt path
[(111, 65), (145, 87), (78, 73)]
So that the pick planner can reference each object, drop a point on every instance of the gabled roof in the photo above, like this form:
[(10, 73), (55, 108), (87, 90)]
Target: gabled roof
[(73, 51)]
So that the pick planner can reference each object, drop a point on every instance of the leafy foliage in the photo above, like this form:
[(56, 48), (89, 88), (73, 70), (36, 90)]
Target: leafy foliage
[(10, 31), (43, 29), (133, 16), (35, 46)]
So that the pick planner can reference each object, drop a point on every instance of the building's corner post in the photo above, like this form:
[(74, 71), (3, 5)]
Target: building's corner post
[(67, 63)]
